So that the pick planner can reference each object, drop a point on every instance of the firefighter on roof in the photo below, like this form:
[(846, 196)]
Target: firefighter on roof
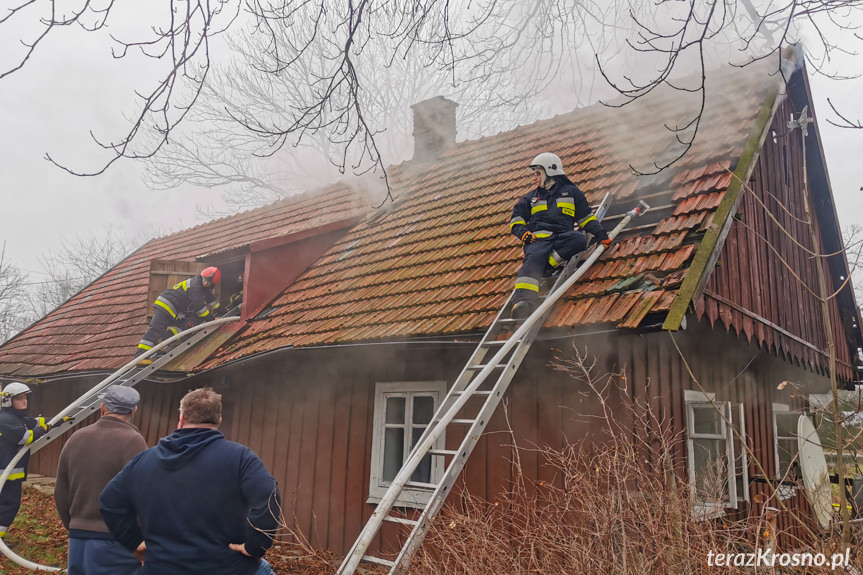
[(544, 221), (183, 306)]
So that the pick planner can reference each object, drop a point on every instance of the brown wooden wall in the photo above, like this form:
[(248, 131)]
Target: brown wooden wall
[(751, 290), (309, 413)]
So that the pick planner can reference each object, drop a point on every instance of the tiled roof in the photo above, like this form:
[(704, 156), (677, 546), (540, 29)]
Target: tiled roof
[(442, 261), (100, 327)]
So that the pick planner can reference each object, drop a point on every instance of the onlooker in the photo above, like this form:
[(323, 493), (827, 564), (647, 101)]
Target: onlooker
[(196, 503), (16, 431), (90, 459)]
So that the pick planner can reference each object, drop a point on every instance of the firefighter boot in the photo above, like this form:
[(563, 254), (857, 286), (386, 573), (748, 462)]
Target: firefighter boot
[(522, 309)]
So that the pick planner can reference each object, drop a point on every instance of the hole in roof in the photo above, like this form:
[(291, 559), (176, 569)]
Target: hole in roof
[(267, 312)]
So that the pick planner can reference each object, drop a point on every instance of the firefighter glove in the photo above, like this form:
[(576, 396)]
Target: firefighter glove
[(600, 237), (528, 237), (40, 422), (66, 419)]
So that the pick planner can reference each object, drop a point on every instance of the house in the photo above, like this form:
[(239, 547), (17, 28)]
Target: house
[(353, 312)]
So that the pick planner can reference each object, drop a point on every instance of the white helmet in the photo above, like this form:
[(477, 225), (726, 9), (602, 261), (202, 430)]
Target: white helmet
[(12, 391), (548, 162)]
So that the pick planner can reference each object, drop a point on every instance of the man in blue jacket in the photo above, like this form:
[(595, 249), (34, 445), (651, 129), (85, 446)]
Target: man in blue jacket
[(196, 503)]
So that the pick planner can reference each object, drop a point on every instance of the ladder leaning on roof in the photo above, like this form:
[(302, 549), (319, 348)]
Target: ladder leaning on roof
[(129, 375), (506, 360)]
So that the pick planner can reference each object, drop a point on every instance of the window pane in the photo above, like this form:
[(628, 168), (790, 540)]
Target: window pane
[(395, 410), (787, 454), (711, 474), (423, 470), (706, 420), (423, 409), (394, 449), (786, 424)]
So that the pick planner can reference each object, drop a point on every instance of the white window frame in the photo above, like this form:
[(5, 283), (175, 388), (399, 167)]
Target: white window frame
[(377, 486), (695, 399), (743, 457), (782, 409)]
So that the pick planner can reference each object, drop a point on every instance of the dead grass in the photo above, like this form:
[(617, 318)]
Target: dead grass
[(38, 535)]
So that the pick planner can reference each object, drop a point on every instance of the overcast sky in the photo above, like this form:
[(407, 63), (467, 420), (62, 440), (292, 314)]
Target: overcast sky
[(51, 105)]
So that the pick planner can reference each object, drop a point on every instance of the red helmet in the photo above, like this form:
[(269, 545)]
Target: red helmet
[(212, 274)]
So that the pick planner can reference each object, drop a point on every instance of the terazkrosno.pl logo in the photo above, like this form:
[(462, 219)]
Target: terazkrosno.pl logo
[(767, 558)]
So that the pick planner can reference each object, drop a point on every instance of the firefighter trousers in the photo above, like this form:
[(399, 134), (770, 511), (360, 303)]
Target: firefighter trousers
[(161, 325), (541, 258), (10, 502)]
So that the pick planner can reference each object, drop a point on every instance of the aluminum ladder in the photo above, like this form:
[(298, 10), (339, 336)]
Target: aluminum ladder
[(505, 360), (129, 375)]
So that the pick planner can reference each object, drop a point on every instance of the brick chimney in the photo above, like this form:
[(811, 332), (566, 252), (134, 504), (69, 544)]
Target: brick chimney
[(434, 128)]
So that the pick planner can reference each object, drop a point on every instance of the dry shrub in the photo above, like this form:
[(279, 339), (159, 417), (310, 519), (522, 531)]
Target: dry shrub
[(618, 505)]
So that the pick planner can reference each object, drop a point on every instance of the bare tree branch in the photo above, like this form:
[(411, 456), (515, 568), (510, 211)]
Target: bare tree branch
[(538, 44)]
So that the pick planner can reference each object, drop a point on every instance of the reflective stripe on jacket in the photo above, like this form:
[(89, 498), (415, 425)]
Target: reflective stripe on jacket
[(546, 212), (188, 297), (17, 430)]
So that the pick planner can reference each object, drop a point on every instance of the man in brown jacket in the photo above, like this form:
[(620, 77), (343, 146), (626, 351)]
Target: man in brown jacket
[(90, 459)]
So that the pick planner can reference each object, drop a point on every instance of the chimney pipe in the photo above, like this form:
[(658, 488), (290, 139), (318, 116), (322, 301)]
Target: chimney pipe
[(434, 128)]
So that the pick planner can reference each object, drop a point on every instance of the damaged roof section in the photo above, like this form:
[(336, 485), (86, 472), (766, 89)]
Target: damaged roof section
[(442, 261)]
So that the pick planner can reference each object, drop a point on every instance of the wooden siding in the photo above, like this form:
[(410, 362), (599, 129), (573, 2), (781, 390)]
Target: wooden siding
[(759, 287), (309, 413)]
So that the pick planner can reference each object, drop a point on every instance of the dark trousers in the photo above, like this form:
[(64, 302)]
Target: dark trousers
[(161, 325), (541, 258), (100, 557), (10, 502)]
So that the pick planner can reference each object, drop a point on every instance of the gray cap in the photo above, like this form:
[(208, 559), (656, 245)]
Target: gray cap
[(121, 400)]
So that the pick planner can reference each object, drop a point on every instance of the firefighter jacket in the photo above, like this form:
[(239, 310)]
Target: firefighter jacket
[(16, 431), (188, 298), (546, 212)]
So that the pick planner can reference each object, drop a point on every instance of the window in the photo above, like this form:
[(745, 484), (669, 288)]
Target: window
[(717, 477), (403, 410), (785, 445)]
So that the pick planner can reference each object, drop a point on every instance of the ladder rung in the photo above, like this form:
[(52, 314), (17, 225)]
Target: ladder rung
[(478, 366), (421, 484), (402, 520), (510, 320), (442, 452), (463, 421), (494, 342), (477, 392), (378, 560)]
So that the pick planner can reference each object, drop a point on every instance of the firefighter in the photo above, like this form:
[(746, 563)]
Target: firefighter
[(183, 306), (16, 431), (236, 299), (544, 221)]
